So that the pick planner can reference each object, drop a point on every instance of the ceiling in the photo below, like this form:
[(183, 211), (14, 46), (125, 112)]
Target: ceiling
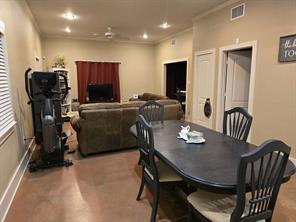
[(129, 18)]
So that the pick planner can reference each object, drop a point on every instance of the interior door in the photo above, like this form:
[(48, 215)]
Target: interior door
[(203, 89), (238, 79)]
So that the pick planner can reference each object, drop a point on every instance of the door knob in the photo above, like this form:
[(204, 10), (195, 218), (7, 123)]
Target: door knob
[(208, 108)]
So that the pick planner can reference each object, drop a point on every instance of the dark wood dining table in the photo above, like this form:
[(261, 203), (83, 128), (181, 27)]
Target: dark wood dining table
[(211, 165)]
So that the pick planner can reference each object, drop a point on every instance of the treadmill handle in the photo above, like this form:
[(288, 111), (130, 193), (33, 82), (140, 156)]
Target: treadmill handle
[(27, 85)]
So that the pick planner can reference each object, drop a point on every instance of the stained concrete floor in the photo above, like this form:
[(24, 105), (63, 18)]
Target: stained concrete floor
[(103, 188)]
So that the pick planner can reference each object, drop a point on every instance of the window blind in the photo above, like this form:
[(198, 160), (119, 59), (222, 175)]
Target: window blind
[(6, 110)]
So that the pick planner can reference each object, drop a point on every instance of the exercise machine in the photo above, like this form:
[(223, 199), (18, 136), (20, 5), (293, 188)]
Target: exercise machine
[(45, 96)]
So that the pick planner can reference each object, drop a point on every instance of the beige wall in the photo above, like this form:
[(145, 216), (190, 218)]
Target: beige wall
[(275, 84), (141, 69), (23, 44), (165, 51), (137, 61)]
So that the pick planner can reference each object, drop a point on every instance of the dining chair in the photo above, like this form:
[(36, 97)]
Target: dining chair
[(262, 170), (237, 123), (152, 111), (153, 171)]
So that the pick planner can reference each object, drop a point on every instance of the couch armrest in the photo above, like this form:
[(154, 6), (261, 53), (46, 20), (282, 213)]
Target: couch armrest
[(132, 99), (75, 123), (140, 98)]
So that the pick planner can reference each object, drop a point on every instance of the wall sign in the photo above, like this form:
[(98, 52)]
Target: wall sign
[(287, 51)]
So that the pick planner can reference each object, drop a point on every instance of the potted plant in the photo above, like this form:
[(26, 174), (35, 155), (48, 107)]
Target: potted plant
[(60, 61)]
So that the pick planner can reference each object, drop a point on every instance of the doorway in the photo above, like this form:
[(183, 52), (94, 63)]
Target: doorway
[(175, 84), (236, 79), (238, 74)]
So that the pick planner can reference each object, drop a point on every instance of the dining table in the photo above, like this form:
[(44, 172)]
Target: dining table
[(212, 165)]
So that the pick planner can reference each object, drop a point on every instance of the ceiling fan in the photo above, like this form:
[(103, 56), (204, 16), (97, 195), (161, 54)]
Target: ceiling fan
[(110, 35)]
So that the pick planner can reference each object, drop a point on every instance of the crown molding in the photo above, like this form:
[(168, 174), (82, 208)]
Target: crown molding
[(117, 41), (174, 35), (93, 39), (217, 8), (33, 19)]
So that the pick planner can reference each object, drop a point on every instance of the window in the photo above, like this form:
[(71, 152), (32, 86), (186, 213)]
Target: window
[(6, 112)]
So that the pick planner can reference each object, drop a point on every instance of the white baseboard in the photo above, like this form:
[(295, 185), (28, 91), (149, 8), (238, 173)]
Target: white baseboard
[(14, 183)]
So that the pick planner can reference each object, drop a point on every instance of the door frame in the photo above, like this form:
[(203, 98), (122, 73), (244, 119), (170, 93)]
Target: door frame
[(195, 75), (164, 71), (222, 78)]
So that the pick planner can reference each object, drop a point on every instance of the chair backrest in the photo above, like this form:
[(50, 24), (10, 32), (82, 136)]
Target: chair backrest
[(146, 147), (237, 123), (152, 111), (262, 170)]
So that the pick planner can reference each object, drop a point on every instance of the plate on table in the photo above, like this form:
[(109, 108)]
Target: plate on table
[(198, 141)]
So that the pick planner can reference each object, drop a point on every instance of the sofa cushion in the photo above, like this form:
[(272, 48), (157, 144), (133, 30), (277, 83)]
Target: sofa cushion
[(151, 96), (90, 106), (137, 103), (103, 129), (172, 111), (168, 101)]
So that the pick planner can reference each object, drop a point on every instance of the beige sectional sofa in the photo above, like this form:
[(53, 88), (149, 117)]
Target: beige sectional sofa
[(104, 127), (149, 96)]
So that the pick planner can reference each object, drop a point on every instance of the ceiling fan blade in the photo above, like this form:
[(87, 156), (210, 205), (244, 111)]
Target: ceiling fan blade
[(100, 38), (122, 38), (110, 35)]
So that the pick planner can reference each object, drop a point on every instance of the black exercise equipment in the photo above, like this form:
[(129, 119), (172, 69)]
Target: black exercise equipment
[(45, 96)]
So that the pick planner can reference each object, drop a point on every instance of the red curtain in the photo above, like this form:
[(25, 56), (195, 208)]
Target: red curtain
[(97, 73)]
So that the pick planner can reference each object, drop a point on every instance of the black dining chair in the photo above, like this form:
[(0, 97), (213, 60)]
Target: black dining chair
[(153, 171), (262, 170), (152, 111), (237, 123)]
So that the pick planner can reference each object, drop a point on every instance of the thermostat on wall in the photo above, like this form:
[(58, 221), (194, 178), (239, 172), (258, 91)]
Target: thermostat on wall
[(173, 42)]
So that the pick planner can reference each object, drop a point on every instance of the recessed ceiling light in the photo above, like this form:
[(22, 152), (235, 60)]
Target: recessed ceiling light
[(69, 16), (67, 29), (145, 36), (165, 25)]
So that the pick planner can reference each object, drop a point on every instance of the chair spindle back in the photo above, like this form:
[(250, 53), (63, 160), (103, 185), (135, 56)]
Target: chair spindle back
[(262, 170), (237, 123), (152, 111), (146, 147)]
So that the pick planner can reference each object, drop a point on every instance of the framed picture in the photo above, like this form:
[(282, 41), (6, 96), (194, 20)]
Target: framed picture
[(287, 51)]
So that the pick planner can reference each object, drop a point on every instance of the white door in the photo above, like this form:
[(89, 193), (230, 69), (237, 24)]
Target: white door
[(203, 81), (238, 79)]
